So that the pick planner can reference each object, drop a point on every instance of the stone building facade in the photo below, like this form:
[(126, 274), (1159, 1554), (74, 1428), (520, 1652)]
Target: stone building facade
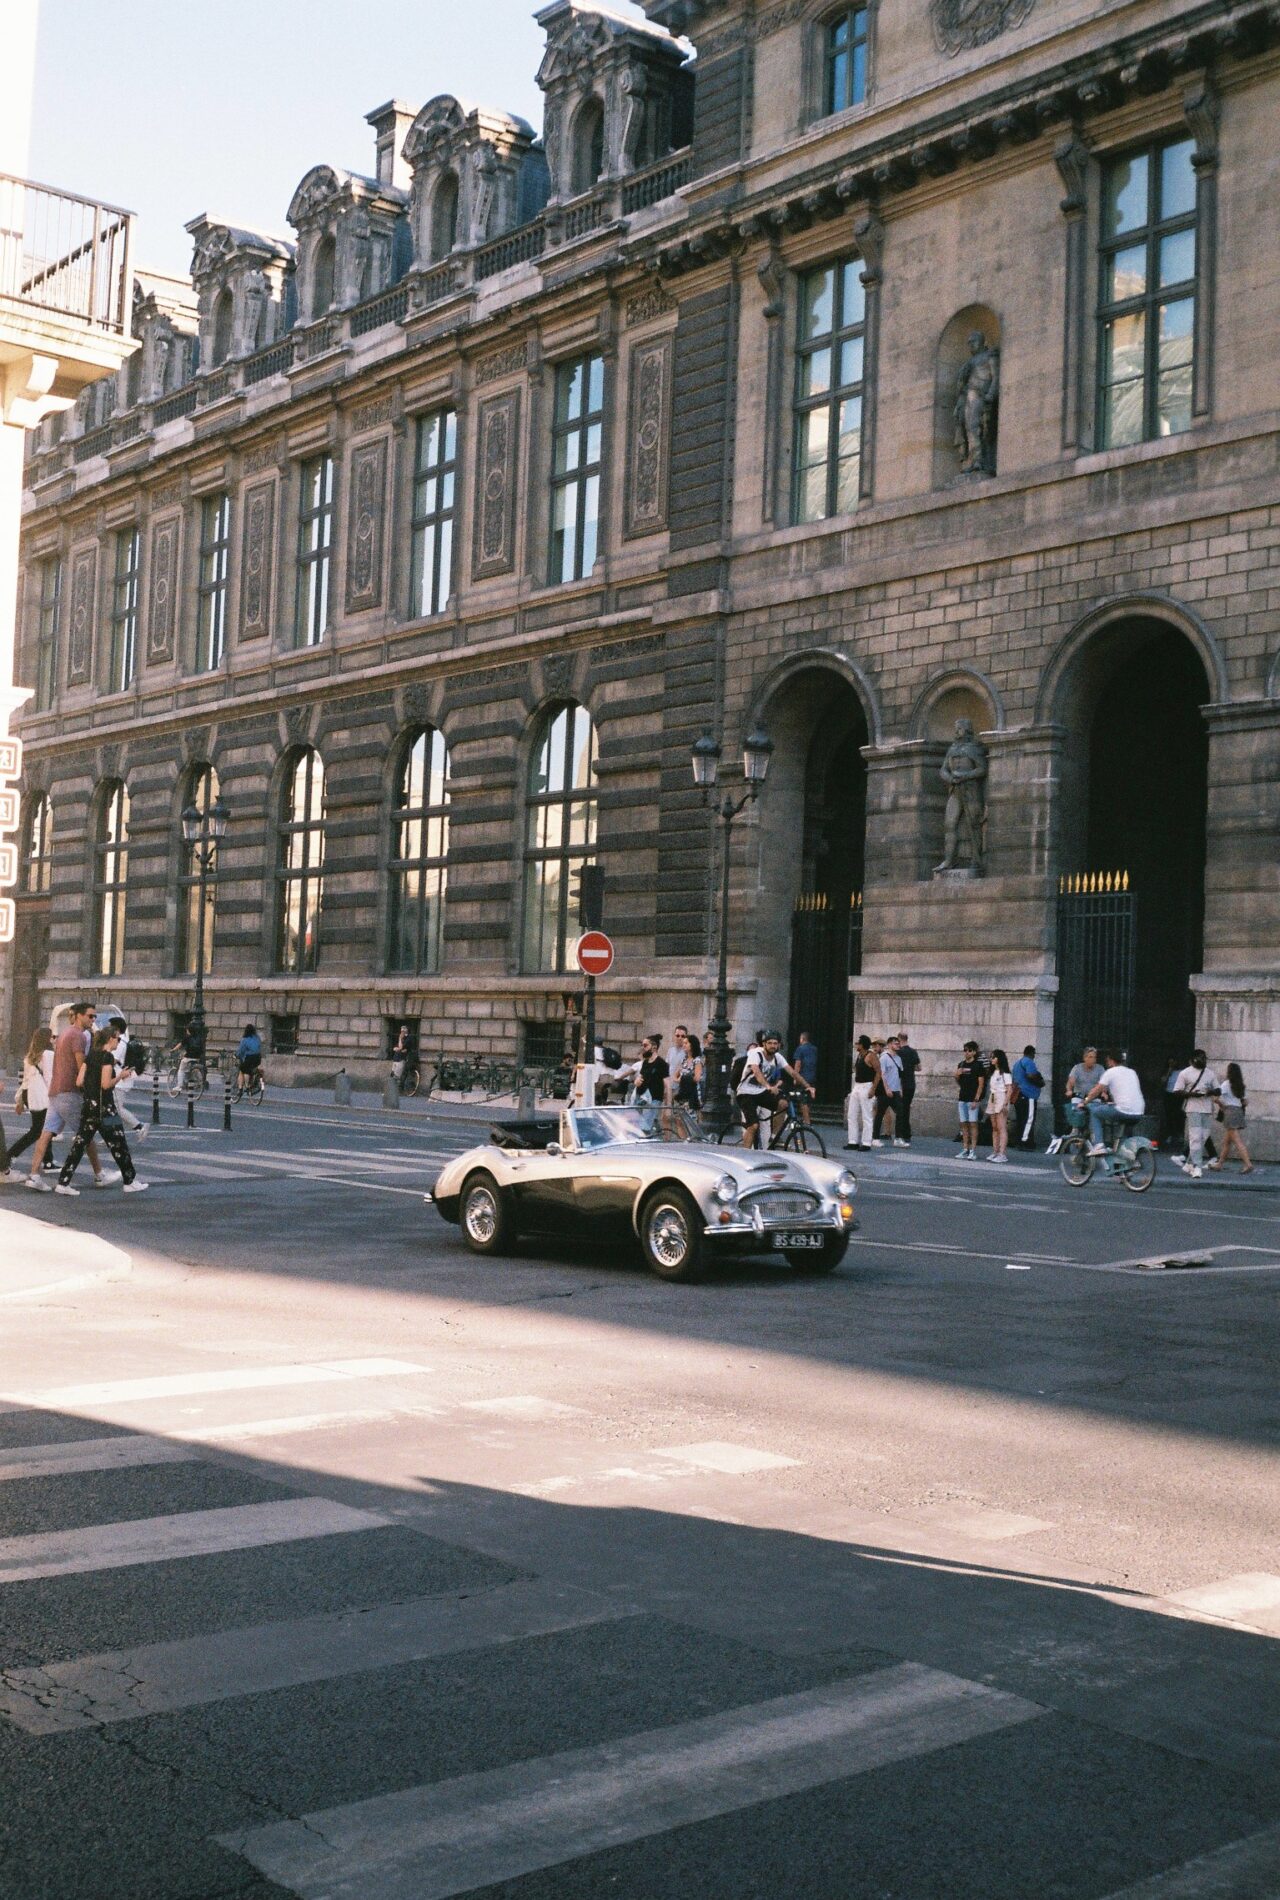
[(868, 370)]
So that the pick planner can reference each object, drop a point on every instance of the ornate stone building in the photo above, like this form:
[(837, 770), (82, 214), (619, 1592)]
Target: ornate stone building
[(869, 370)]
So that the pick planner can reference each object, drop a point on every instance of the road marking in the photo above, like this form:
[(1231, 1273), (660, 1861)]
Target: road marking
[(978, 1521), (736, 1460), (429, 1843), (92, 1454), (153, 1540), (1247, 1869), (525, 1407), (238, 1379), (1240, 1599), (158, 1678)]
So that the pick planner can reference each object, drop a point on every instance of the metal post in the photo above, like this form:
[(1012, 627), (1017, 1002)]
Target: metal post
[(587, 1053), (155, 1091), (191, 1099), (226, 1092), (718, 1110), (197, 1007)]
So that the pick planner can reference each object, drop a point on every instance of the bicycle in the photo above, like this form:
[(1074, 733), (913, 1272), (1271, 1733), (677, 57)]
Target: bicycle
[(195, 1072), (409, 1080), (797, 1137), (249, 1087), (1131, 1160)]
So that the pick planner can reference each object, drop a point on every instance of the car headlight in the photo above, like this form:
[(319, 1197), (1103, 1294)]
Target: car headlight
[(846, 1184), (726, 1189)]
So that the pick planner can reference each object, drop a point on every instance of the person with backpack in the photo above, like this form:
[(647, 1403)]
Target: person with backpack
[(760, 1090), (1027, 1085), (97, 1082)]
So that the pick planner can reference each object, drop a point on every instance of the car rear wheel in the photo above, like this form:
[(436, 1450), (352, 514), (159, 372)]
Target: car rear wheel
[(483, 1215), (811, 1261), (671, 1234)]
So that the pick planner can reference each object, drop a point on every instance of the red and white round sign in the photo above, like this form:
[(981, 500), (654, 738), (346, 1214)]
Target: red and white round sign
[(595, 953)]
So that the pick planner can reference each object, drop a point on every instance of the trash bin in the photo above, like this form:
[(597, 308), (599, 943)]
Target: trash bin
[(342, 1089)]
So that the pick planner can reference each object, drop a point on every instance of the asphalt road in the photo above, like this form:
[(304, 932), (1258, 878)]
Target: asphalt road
[(336, 1562)]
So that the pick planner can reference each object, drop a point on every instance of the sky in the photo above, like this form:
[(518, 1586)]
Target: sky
[(224, 105)]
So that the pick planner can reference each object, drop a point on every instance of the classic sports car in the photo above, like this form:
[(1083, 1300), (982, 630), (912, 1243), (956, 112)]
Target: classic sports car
[(650, 1174)]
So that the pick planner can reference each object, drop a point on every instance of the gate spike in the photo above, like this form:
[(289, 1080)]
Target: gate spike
[(1125, 875)]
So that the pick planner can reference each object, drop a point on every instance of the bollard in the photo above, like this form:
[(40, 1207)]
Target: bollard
[(391, 1092), (525, 1102), (342, 1089), (191, 1100), (155, 1094), (226, 1096)]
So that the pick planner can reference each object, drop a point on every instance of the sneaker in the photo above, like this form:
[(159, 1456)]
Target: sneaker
[(139, 1131), (38, 1186), (136, 1187), (877, 1141), (109, 1178), (1193, 1173), (1097, 1149), (854, 1146), (898, 1143), (65, 1187), (7, 1176), (1000, 1159)]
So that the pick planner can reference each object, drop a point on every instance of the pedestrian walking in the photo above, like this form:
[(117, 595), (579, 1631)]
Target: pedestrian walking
[(650, 1081), (676, 1058), (1198, 1085), (805, 1063), (33, 1091), (971, 1082), (689, 1086), (65, 1101), (909, 1063), (97, 1078), (861, 1107), (890, 1093), (1027, 1085), (1231, 1116), (998, 1093), (131, 1060)]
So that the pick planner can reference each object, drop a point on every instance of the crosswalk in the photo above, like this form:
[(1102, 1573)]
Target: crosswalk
[(267, 1689), (207, 1157)]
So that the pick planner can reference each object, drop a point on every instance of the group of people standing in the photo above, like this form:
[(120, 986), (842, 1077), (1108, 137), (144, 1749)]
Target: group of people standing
[(882, 1091), (73, 1085), (1198, 1104)]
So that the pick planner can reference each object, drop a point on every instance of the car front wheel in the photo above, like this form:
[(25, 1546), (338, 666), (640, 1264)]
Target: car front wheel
[(671, 1234), (483, 1215)]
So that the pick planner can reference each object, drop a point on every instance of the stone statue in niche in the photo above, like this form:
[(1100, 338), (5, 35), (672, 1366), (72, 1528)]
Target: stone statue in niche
[(964, 773), (253, 305), (975, 412), (484, 191)]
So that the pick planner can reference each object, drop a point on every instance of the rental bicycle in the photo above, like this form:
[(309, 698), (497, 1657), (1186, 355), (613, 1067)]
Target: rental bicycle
[(184, 1069), (1132, 1158)]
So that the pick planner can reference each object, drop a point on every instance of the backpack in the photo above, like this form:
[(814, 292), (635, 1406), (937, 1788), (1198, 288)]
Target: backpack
[(612, 1057), (737, 1072)]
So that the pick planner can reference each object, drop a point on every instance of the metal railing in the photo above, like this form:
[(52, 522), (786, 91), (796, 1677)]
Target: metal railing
[(65, 253)]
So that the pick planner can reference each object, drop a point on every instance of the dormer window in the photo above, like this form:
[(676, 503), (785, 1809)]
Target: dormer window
[(588, 146), (323, 278), (444, 217), (845, 59), (223, 320)]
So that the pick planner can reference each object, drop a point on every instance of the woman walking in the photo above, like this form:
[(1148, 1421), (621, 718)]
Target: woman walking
[(37, 1074), (689, 1086), (999, 1088), (97, 1080), (1231, 1115)]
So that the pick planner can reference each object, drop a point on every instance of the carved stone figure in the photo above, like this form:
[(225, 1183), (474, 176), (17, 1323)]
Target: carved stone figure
[(633, 90), (161, 356), (484, 186), (960, 25), (964, 773), (975, 410), (253, 304)]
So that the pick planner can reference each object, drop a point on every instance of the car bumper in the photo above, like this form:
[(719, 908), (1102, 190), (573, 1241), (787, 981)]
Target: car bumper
[(740, 1236)]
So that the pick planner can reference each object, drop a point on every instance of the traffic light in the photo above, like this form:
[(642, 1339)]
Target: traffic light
[(591, 896)]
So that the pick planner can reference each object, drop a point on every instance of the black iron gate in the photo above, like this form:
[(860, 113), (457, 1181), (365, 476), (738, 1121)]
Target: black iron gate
[(1096, 967), (826, 950)]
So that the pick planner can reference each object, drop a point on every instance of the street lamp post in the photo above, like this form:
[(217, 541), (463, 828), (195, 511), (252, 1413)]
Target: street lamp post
[(204, 832), (757, 749)]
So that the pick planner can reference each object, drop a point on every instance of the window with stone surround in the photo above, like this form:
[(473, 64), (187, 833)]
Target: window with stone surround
[(577, 441), (845, 37), (315, 549), (419, 854), (123, 656), (37, 846), (300, 876), (48, 632), (110, 876), (201, 792), (560, 834), (1147, 295), (830, 344), (435, 470), (211, 590)]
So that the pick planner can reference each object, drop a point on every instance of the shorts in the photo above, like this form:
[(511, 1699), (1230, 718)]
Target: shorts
[(752, 1102), (968, 1111), (64, 1113), (1233, 1118)]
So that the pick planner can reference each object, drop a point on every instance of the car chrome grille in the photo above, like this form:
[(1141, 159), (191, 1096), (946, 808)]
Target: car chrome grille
[(783, 1203)]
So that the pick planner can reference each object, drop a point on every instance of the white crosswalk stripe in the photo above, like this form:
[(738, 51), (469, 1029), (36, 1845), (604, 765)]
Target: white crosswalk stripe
[(74, 1398)]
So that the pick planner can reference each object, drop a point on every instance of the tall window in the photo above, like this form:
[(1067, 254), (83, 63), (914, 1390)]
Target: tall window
[(419, 853), (315, 548), (48, 632), (434, 470), (444, 216), (845, 70), (829, 367), (202, 794), (588, 145), (211, 605), (560, 834), (124, 611), (37, 846), (575, 467), (110, 874), (301, 860), (223, 317), (324, 267), (1147, 300)]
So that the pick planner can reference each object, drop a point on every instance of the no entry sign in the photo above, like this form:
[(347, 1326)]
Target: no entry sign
[(595, 953)]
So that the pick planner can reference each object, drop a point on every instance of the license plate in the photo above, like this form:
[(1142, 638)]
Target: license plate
[(791, 1243)]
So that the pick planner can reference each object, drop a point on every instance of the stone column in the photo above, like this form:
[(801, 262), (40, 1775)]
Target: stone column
[(868, 233), (1071, 156)]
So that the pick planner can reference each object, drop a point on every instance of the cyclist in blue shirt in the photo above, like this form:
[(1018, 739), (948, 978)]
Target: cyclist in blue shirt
[(1029, 1083), (248, 1054), (805, 1064)]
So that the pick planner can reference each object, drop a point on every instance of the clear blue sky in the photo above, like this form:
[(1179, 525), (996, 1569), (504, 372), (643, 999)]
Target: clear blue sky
[(223, 105)]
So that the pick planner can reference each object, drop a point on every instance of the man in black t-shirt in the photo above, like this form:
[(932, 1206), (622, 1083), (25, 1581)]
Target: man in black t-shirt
[(651, 1074), (971, 1082)]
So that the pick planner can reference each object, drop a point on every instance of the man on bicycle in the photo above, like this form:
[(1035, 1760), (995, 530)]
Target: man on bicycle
[(248, 1056), (1123, 1108), (189, 1048), (761, 1093)]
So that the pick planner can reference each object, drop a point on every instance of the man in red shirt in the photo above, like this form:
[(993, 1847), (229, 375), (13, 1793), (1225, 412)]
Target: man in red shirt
[(65, 1100)]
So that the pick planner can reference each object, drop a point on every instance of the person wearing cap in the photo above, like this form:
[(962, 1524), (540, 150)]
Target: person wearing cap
[(760, 1092)]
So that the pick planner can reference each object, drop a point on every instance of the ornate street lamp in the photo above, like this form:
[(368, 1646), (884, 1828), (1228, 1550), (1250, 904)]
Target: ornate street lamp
[(204, 832), (757, 749)]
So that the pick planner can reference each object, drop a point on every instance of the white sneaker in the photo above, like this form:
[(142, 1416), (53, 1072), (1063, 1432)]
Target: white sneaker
[(876, 1141), (65, 1187), (1000, 1158), (136, 1187), (1193, 1172), (898, 1143), (139, 1131), (38, 1185), (1097, 1149), (108, 1178), (971, 1154)]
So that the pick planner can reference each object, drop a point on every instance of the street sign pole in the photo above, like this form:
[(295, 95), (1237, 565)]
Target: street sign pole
[(591, 914)]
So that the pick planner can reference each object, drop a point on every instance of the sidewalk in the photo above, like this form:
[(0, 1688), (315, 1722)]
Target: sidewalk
[(38, 1257)]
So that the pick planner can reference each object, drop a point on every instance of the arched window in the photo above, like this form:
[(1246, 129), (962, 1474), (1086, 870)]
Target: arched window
[(223, 317), (322, 280), (201, 793), (419, 854), (110, 874), (588, 146), (301, 863), (444, 217), (37, 846), (560, 833)]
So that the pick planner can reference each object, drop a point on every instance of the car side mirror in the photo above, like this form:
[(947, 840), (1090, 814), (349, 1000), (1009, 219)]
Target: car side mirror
[(553, 1149)]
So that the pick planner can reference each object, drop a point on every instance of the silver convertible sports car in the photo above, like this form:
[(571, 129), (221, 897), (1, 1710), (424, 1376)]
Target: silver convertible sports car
[(652, 1175)]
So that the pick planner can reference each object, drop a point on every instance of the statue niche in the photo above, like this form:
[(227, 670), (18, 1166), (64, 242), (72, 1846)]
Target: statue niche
[(967, 402)]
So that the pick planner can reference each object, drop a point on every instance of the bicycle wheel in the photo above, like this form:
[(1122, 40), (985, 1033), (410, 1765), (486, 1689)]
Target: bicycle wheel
[(802, 1141), (410, 1080), (1139, 1173), (239, 1091), (171, 1082), (1075, 1161), (199, 1079), (257, 1089)]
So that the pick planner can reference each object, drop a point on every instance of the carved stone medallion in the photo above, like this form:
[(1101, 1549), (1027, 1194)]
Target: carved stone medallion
[(961, 25)]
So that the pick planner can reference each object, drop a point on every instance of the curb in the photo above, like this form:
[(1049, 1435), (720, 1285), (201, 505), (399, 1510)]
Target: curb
[(40, 1258)]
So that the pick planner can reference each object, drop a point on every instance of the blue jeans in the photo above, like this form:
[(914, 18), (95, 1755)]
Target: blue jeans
[(1105, 1120)]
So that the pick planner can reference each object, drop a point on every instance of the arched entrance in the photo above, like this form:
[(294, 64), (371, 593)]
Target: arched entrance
[(813, 825), (1135, 792)]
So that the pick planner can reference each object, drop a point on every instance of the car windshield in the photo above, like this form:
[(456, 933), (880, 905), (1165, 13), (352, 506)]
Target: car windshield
[(601, 1127)]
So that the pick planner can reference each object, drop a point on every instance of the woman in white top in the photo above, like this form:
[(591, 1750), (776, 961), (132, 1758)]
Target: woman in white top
[(37, 1074), (999, 1087), (1231, 1097)]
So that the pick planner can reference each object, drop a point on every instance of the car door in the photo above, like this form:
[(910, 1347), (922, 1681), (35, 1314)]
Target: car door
[(605, 1184), (542, 1191)]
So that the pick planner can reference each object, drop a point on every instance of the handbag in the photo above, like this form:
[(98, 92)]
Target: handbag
[(20, 1100)]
